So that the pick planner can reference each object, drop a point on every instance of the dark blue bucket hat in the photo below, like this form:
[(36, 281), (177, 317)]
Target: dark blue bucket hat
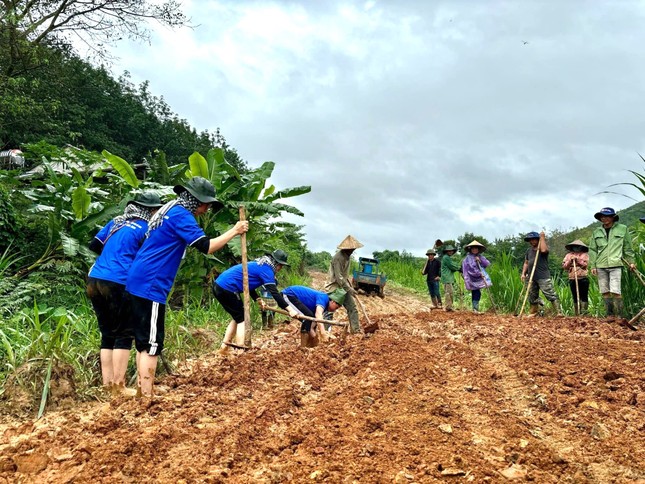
[(531, 235), (606, 212)]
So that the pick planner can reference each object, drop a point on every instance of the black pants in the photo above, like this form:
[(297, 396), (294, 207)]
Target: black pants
[(583, 287)]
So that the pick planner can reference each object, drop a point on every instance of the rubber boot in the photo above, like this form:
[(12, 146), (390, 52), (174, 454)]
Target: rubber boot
[(557, 307), (618, 307), (448, 305), (439, 302), (584, 308), (434, 302), (533, 310), (609, 308), (476, 307)]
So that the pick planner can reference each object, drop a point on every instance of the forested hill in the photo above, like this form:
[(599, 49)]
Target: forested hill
[(59, 98)]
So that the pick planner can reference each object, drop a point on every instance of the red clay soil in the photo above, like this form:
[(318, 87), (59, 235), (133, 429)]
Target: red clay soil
[(431, 396)]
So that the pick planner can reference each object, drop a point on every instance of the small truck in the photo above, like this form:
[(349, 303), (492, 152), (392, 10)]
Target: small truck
[(368, 278)]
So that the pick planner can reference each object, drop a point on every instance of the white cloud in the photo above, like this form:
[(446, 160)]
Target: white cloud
[(414, 120)]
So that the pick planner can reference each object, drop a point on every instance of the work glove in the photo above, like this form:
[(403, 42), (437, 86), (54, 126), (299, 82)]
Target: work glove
[(292, 312)]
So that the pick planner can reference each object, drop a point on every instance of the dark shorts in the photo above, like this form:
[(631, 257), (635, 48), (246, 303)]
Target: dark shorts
[(112, 307), (230, 301), (148, 321)]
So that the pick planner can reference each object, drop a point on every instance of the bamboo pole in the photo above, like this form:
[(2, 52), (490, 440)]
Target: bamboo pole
[(528, 287), (308, 318), (248, 328), (575, 276)]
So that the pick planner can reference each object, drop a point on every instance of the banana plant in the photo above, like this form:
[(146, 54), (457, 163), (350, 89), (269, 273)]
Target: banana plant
[(71, 205), (262, 203)]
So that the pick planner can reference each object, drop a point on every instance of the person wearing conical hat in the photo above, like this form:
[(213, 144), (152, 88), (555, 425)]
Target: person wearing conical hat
[(609, 246), (448, 269), (338, 277), (575, 263), (541, 276), (432, 271), (474, 269)]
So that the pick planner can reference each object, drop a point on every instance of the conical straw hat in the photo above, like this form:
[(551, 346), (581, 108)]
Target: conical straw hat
[(474, 243), (577, 242), (350, 242)]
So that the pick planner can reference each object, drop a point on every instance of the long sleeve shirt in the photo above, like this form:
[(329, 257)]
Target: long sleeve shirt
[(581, 260), (338, 273), (608, 247)]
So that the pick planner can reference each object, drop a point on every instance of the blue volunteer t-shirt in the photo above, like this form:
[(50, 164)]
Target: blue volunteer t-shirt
[(153, 270), (119, 250), (231, 279), (309, 297)]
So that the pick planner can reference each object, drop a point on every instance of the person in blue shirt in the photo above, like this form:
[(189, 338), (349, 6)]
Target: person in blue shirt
[(229, 286), (312, 303), (171, 231), (117, 244)]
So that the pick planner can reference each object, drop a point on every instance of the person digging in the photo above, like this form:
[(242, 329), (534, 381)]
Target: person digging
[(152, 274), (229, 285), (538, 255), (338, 278), (312, 303)]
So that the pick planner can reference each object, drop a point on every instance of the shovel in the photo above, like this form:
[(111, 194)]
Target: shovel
[(370, 327)]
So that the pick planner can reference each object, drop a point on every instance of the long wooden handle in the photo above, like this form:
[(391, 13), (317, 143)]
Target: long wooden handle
[(528, 287), (308, 318), (636, 272), (248, 329), (363, 309), (575, 276)]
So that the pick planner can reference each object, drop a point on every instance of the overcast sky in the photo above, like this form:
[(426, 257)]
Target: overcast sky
[(414, 120)]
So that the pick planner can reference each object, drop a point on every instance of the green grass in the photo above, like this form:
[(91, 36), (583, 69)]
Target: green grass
[(507, 290), (35, 341)]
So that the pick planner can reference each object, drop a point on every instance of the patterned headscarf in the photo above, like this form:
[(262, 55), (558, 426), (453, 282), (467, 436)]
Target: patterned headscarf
[(267, 260), (185, 199), (132, 211)]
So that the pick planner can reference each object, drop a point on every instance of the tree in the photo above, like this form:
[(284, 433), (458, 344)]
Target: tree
[(27, 25)]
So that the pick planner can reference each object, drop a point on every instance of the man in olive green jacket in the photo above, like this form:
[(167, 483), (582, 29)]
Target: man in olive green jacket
[(338, 277), (610, 244), (448, 269)]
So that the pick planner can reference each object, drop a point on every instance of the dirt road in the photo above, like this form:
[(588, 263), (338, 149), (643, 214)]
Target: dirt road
[(431, 396)]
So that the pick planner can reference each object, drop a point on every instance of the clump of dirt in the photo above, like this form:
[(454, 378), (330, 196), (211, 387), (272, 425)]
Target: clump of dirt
[(430, 395)]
